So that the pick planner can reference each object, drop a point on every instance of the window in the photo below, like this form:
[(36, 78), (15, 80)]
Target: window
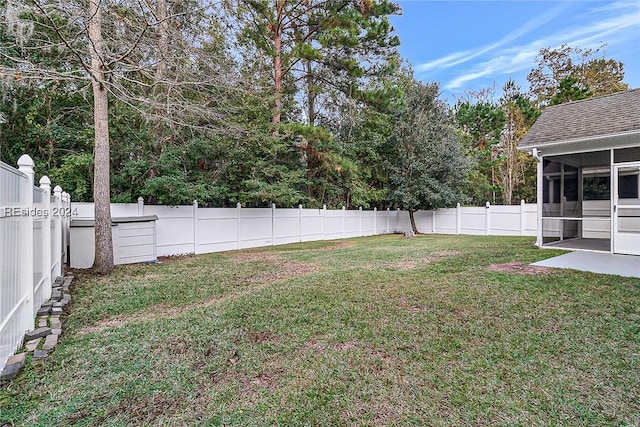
[(628, 186), (596, 188)]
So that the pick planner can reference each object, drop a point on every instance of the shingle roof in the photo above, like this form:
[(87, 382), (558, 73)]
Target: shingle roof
[(607, 115)]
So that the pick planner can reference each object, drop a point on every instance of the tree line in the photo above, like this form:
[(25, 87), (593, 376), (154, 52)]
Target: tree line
[(258, 102)]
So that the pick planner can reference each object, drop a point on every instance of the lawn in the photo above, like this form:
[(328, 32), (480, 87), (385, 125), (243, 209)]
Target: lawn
[(375, 331)]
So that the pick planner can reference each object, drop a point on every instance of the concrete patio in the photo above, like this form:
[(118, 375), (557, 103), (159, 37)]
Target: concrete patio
[(604, 263)]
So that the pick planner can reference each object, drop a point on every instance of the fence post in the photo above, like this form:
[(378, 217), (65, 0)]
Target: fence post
[(238, 221), (487, 218), (25, 165), (195, 225), (398, 229), (45, 184), (522, 217), (273, 224), (59, 230), (375, 221), (140, 206), (344, 220), (324, 222), (360, 221), (66, 225), (458, 218), (386, 230), (433, 221), (300, 220)]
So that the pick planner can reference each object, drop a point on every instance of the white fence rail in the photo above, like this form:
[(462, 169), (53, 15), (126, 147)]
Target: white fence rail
[(190, 229), (33, 246)]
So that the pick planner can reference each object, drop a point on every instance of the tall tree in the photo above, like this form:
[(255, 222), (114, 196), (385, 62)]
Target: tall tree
[(481, 123), (575, 68), (513, 164), (427, 162), (119, 48)]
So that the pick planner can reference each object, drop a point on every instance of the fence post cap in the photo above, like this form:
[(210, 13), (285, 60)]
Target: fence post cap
[(522, 202), (273, 205), (458, 205), (45, 183), (57, 189), (299, 206), (25, 161), (487, 204), (238, 205), (140, 199)]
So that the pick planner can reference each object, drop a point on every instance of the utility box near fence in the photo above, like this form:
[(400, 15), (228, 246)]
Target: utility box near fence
[(134, 240)]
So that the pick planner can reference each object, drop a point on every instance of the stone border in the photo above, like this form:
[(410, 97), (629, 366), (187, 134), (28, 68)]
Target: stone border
[(44, 338)]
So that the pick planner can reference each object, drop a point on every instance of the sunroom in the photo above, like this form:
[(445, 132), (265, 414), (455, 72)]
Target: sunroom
[(588, 183)]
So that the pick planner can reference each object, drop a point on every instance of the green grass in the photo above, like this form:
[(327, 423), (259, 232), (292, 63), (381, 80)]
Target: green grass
[(372, 331)]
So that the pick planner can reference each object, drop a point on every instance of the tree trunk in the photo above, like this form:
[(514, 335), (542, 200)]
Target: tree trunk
[(413, 221), (103, 262), (277, 62)]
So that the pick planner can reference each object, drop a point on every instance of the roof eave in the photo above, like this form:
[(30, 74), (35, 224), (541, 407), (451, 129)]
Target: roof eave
[(574, 141)]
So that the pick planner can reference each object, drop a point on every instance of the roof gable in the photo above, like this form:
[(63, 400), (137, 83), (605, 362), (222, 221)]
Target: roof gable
[(604, 116)]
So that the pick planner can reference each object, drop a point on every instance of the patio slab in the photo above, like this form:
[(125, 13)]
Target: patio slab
[(604, 263)]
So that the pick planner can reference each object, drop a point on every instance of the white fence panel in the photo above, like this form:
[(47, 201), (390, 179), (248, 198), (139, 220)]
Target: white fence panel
[(446, 221), (368, 223), (312, 225), (30, 252), (255, 228), (505, 221), (334, 224), (175, 233), (85, 210), (14, 305), (530, 220), (473, 220), (217, 230), (286, 223), (351, 224), (424, 221), (189, 229)]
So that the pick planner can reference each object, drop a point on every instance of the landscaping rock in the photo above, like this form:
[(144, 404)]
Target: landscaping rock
[(40, 354), (56, 331), (47, 303), (14, 365), (56, 311), (10, 372), (50, 342), (42, 322), (55, 322), (38, 333), (44, 311), (31, 345)]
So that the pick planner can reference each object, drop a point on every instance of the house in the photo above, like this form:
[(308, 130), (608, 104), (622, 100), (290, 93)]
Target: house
[(588, 155)]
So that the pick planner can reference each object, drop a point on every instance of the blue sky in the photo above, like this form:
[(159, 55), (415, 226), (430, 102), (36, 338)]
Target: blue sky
[(471, 45)]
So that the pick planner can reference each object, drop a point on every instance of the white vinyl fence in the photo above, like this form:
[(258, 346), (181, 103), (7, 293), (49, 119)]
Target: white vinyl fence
[(193, 230), (34, 232)]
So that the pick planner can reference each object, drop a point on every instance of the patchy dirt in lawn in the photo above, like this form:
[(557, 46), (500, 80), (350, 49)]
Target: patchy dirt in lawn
[(287, 269), (163, 311), (519, 268), (411, 264), (284, 269)]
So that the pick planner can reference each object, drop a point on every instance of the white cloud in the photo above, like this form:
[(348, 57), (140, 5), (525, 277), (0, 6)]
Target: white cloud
[(466, 56), (620, 27)]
